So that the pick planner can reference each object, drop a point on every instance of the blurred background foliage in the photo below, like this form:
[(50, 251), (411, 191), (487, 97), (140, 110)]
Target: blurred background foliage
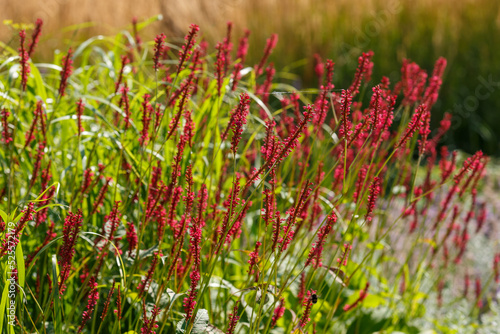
[(465, 32)]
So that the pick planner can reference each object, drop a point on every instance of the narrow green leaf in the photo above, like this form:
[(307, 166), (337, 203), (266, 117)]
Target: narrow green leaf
[(20, 264)]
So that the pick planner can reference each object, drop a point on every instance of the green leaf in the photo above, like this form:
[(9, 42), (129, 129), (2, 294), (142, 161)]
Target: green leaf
[(5, 294), (55, 294), (21, 268), (4, 216), (200, 323)]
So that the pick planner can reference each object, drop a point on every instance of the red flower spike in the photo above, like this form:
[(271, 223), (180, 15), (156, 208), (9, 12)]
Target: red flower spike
[(220, 64), (186, 51), (143, 287), (124, 62), (239, 119), (319, 68), (118, 310), (233, 319), (24, 60), (317, 248), (149, 323), (6, 135), (80, 106), (92, 302), (363, 70), (254, 257), (345, 109), (124, 103), (270, 45), (362, 295), (415, 124), (66, 71), (159, 49), (278, 312), (496, 267), (243, 47), (71, 229), (35, 36), (137, 38), (12, 238), (375, 189), (307, 303), (108, 300)]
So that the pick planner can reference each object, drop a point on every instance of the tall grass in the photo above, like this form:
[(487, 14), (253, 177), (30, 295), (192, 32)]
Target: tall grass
[(176, 188)]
